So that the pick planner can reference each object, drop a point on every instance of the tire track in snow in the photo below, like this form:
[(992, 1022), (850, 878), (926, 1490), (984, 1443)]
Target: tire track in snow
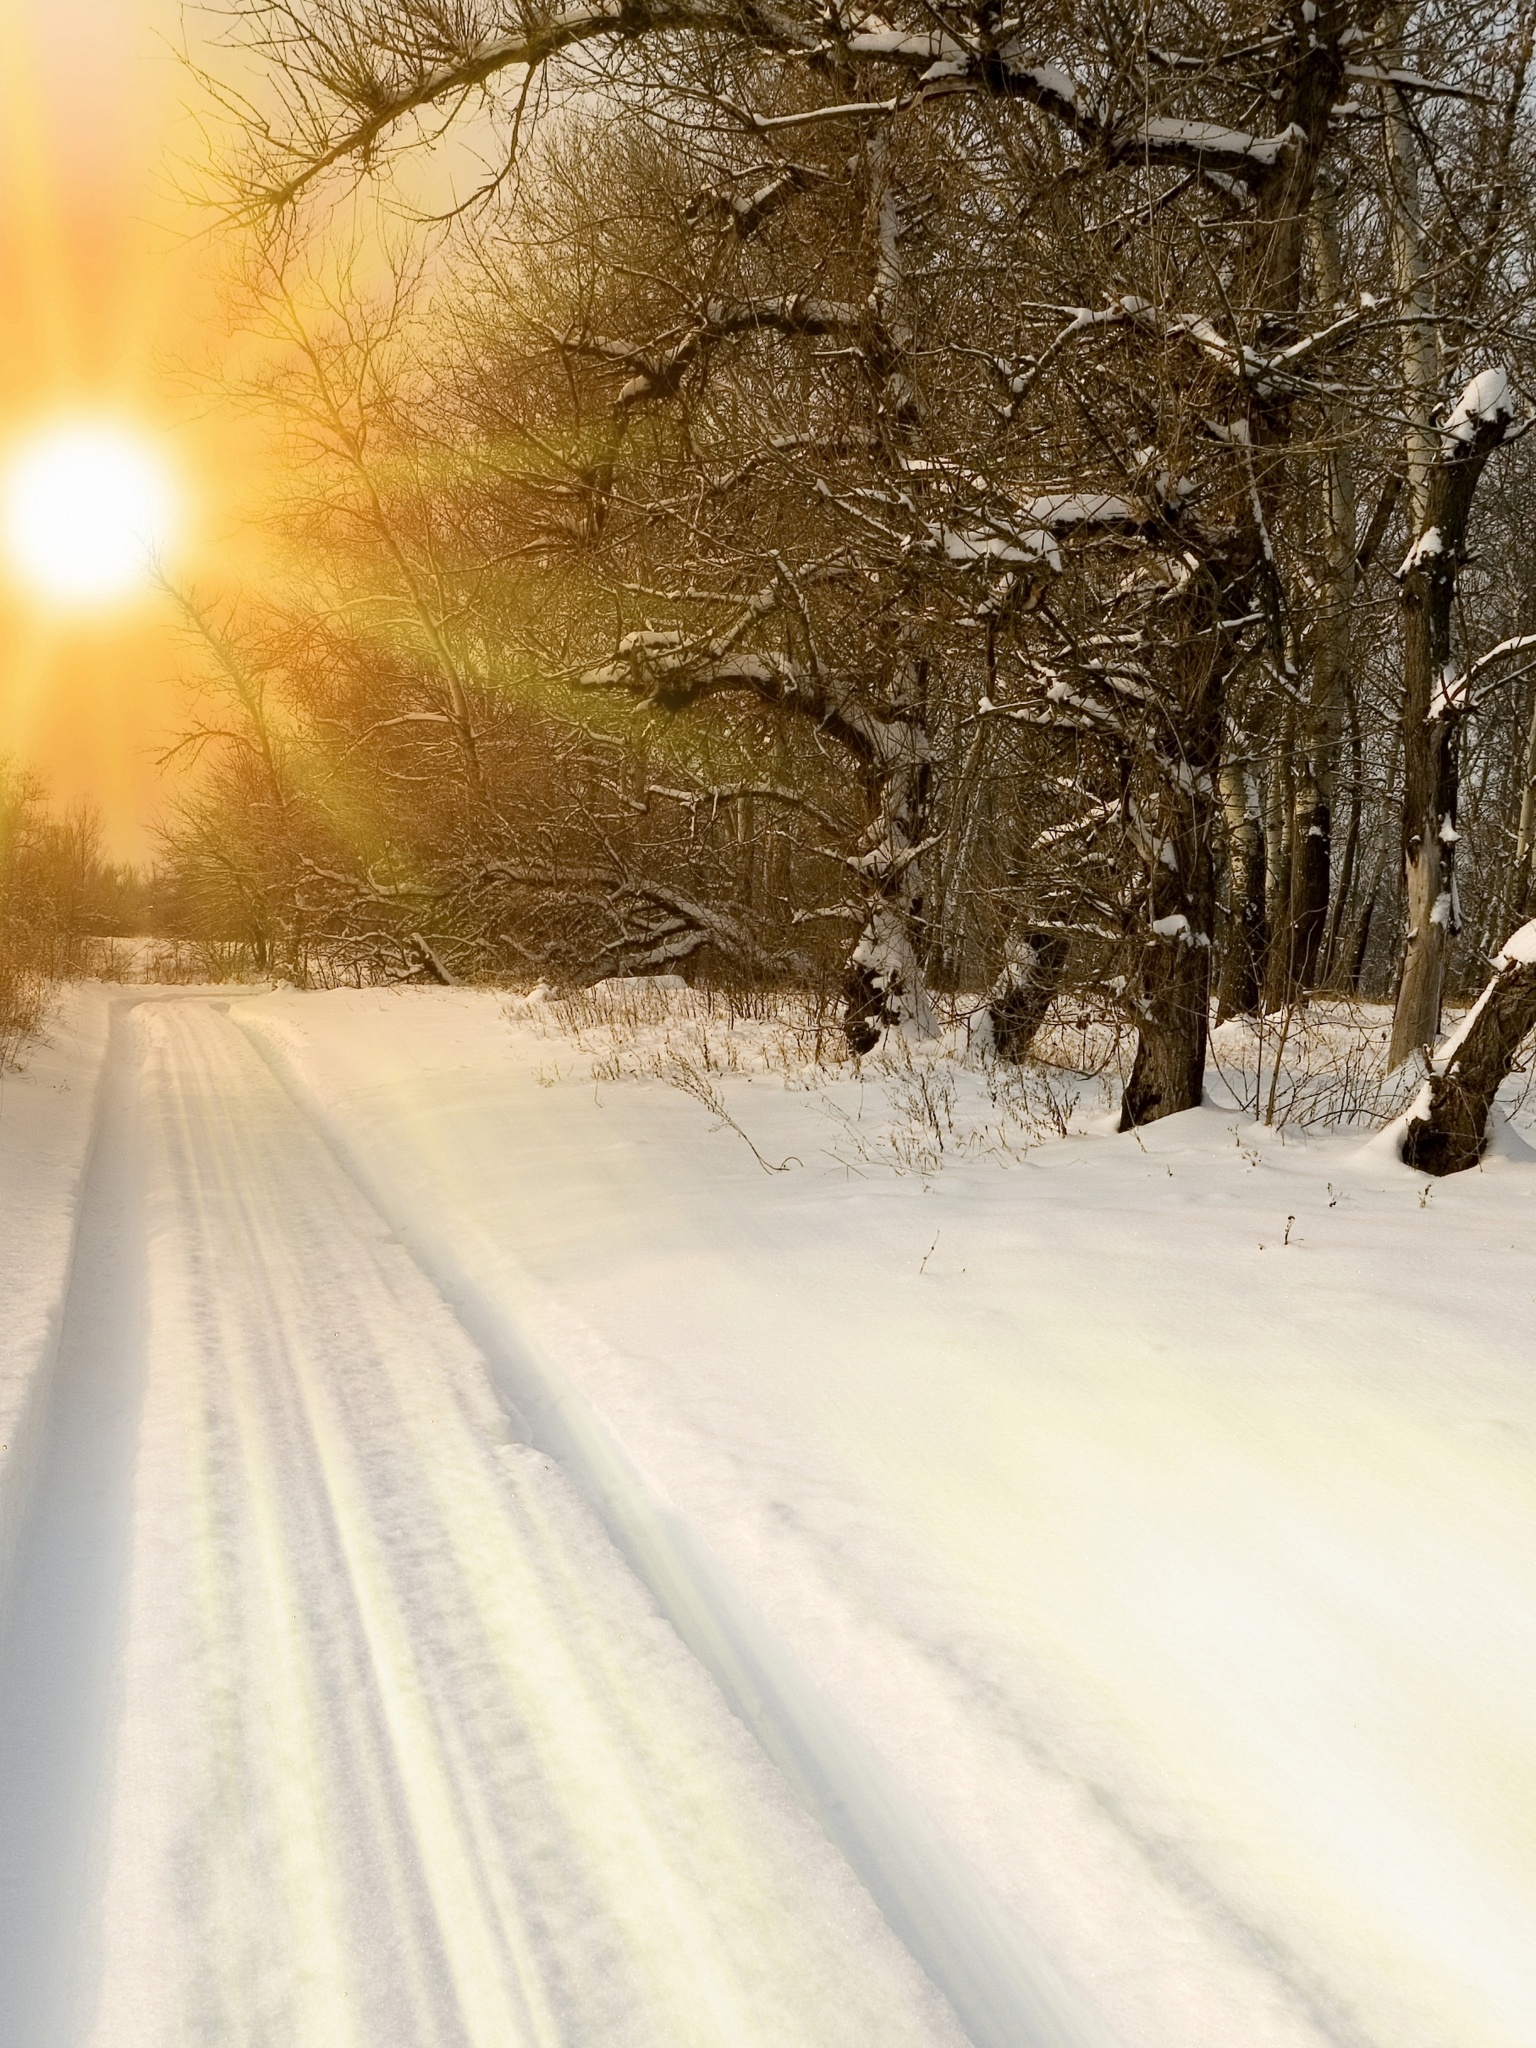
[(1005, 1991), (404, 1755), (61, 1622)]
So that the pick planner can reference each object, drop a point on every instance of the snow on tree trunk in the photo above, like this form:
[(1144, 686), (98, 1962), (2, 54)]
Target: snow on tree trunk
[(1021, 995), (1447, 1128), (1432, 710), (883, 989), (1171, 992)]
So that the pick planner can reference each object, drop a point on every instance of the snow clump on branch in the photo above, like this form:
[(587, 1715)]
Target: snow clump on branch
[(1488, 398)]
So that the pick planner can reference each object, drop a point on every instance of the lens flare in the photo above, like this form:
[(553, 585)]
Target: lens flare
[(86, 512)]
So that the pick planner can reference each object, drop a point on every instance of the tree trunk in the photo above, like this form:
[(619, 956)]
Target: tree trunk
[(1277, 856), (1367, 925), (1022, 993), (1168, 1074), (1311, 877), (1448, 1127), (1432, 715), (1412, 270), (1312, 805), (1344, 891), (1240, 984), (1172, 984), (883, 988), (1525, 829), (967, 807)]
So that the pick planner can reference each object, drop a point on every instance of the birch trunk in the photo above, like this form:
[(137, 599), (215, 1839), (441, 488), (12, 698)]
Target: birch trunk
[(1242, 961), (1432, 713)]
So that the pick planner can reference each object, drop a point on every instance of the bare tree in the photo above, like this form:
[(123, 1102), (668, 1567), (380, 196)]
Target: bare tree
[(997, 422)]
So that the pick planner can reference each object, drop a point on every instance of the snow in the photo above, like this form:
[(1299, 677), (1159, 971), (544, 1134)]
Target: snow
[(1049, 514), (359, 1732), (875, 41), (1172, 1577), (622, 984), (1103, 1563), (45, 1128), (1487, 397), (1519, 948), (977, 544), (1062, 509), (1450, 1045), (1209, 138), (1425, 549), (1048, 78)]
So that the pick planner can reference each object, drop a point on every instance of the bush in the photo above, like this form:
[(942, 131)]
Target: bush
[(51, 875)]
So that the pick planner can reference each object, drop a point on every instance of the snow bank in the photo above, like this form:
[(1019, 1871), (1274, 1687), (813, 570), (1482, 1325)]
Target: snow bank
[(1148, 1520), (46, 1114)]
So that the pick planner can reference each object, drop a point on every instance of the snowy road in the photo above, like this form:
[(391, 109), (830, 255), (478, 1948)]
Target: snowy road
[(1128, 1637), (328, 1715)]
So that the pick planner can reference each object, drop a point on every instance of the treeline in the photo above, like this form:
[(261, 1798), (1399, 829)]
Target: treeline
[(58, 892), (964, 498)]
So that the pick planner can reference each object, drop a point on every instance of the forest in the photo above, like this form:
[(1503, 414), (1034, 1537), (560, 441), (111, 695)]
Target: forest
[(960, 509)]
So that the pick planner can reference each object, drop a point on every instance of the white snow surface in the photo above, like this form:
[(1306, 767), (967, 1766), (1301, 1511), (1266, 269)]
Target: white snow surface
[(1211, 139), (396, 1748), (1487, 397), (45, 1130), (579, 1586), (1176, 1581), (1519, 949)]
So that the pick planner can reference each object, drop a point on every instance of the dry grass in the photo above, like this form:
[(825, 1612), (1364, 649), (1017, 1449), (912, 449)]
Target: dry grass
[(913, 1107), (1318, 1066), (910, 1107), (26, 995)]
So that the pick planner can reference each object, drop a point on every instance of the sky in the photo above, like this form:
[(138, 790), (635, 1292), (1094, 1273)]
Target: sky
[(106, 300)]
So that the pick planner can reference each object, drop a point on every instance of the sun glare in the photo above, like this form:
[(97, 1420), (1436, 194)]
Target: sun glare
[(88, 510)]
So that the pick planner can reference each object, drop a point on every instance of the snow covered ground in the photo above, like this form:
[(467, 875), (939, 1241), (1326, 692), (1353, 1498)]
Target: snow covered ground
[(328, 1714), (1107, 1563), (46, 1120), (1178, 1579)]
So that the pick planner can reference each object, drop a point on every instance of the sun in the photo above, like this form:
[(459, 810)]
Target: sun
[(87, 510)]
